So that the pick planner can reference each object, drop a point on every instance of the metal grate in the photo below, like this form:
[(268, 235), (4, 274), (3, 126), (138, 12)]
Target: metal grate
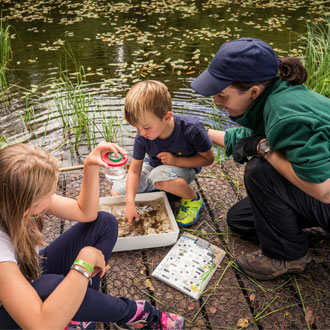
[(231, 299)]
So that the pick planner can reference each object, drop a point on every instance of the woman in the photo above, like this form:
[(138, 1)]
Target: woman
[(288, 127), (46, 290)]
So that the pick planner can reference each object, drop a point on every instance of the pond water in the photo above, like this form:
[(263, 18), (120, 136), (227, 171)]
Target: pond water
[(119, 43)]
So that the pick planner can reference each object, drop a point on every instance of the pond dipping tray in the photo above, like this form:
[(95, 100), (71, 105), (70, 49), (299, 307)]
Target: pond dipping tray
[(146, 241)]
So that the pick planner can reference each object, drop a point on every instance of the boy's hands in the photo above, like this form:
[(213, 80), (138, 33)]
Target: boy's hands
[(131, 214), (167, 158)]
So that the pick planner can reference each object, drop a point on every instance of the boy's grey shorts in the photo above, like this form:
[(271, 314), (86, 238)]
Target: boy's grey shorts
[(150, 175)]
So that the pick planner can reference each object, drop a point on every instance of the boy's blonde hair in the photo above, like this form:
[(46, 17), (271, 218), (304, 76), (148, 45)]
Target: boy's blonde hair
[(149, 96), (27, 174)]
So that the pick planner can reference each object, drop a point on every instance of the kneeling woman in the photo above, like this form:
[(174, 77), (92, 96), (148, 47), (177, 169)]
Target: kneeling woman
[(288, 127)]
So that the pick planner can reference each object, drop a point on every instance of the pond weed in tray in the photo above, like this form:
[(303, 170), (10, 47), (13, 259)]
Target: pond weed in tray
[(157, 226)]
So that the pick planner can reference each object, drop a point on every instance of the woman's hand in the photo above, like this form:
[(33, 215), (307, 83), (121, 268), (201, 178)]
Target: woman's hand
[(96, 155)]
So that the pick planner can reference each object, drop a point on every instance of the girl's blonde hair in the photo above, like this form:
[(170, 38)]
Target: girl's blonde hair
[(27, 174), (149, 96)]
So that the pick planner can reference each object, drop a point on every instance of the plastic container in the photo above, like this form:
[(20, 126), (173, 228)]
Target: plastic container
[(148, 241), (117, 169)]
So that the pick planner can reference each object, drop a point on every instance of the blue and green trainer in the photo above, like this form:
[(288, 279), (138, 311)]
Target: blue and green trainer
[(189, 211)]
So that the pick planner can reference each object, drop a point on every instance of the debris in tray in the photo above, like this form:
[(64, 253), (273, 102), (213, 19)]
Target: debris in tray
[(153, 218)]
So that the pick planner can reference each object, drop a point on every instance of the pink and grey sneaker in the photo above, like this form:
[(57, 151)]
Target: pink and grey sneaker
[(149, 317), (76, 325)]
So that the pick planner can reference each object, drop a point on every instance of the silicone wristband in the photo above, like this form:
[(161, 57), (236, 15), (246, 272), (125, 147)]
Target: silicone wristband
[(83, 272), (85, 264)]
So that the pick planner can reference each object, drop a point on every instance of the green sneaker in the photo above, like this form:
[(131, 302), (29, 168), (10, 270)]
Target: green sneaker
[(189, 211)]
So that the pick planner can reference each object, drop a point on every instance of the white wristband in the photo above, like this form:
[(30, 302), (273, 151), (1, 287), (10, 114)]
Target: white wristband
[(83, 272)]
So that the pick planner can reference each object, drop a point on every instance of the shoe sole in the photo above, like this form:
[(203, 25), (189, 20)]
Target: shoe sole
[(120, 328), (269, 278), (196, 219)]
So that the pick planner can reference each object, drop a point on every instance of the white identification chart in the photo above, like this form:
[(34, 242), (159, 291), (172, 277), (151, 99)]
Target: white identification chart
[(189, 265)]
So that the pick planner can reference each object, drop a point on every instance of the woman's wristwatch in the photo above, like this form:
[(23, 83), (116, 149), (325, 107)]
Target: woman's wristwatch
[(263, 147)]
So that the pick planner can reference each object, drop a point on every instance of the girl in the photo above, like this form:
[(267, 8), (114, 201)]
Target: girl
[(288, 127), (47, 289)]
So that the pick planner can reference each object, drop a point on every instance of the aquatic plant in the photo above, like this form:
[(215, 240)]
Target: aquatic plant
[(3, 141), (79, 112), (110, 128), (216, 121), (317, 57), (5, 56), (73, 105)]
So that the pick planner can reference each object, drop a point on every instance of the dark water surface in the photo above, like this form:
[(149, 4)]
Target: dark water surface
[(120, 43)]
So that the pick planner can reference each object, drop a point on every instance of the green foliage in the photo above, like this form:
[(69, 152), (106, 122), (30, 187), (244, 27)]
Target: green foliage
[(317, 57), (5, 56), (216, 122), (111, 126), (78, 110), (3, 141), (73, 105)]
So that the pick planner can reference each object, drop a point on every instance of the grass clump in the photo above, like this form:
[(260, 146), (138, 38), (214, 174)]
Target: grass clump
[(317, 57), (5, 56), (73, 105), (82, 118), (215, 120)]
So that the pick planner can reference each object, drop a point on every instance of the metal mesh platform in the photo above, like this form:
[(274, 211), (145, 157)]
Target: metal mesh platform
[(231, 300)]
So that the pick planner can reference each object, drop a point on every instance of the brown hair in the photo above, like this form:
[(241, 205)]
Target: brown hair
[(291, 69), (27, 174), (149, 96)]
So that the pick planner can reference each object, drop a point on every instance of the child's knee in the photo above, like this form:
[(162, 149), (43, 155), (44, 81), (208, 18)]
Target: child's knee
[(114, 193), (161, 185), (108, 220)]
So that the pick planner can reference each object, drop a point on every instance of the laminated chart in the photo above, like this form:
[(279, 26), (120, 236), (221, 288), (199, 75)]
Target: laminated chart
[(189, 265)]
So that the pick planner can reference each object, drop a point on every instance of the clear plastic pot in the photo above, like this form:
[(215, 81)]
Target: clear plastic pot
[(117, 169)]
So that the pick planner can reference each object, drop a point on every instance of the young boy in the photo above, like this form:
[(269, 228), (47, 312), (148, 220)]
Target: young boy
[(177, 147)]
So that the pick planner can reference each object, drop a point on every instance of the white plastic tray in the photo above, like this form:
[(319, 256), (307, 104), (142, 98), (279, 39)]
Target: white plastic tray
[(148, 241)]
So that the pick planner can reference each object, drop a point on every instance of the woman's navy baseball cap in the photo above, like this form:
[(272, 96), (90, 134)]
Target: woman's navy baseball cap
[(244, 59)]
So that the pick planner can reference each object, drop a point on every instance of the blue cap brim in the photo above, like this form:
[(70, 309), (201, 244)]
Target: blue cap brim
[(208, 85)]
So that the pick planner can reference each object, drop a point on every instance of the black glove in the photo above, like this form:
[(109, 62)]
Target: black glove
[(246, 147)]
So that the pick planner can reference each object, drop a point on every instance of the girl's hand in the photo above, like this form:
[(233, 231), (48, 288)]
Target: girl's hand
[(96, 155), (95, 258)]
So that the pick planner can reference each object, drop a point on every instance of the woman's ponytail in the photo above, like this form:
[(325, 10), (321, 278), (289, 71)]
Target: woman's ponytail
[(292, 70)]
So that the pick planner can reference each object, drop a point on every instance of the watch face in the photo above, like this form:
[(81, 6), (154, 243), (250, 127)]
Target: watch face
[(265, 147)]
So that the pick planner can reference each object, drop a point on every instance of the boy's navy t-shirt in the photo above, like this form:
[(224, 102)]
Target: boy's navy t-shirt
[(188, 138)]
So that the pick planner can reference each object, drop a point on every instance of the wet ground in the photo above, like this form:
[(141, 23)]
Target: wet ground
[(231, 300)]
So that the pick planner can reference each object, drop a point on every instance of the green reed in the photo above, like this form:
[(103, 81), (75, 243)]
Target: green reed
[(317, 57), (109, 128), (3, 141), (216, 121), (82, 118), (5, 56), (74, 105)]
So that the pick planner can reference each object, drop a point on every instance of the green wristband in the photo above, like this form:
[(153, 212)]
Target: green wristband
[(85, 264)]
